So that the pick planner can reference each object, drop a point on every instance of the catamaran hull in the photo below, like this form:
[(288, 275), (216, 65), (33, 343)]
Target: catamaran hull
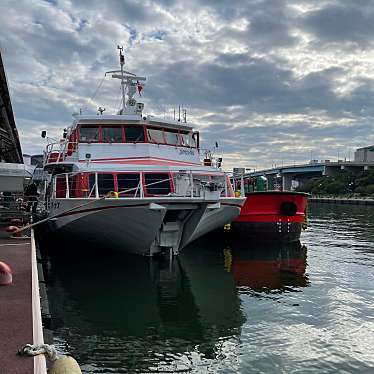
[(216, 218), (140, 227)]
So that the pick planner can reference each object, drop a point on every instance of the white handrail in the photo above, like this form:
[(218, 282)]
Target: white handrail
[(61, 148), (139, 188)]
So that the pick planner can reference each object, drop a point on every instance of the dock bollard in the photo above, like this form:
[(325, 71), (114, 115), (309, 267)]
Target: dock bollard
[(6, 277)]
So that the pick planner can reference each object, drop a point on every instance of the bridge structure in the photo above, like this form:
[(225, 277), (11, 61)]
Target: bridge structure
[(10, 147), (282, 177)]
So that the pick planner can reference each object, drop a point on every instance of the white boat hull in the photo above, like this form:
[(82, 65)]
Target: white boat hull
[(141, 226)]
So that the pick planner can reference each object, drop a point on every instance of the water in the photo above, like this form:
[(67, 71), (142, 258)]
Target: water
[(225, 307)]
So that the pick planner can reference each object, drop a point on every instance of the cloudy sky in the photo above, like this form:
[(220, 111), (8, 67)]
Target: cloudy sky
[(273, 81)]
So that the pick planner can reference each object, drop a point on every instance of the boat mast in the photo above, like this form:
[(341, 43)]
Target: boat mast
[(122, 62), (129, 83)]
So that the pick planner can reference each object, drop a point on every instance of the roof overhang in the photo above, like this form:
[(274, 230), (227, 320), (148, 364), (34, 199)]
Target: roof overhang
[(10, 147), (130, 119)]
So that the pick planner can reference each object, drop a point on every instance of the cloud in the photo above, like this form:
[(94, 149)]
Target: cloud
[(268, 80), (350, 23)]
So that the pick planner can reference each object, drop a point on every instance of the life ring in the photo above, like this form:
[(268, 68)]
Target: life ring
[(288, 208)]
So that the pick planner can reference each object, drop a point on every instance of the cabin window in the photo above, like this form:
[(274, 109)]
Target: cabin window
[(111, 134), (126, 182), (155, 136), (72, 186), (89, 134), (91, 181), (187, 140), (194, 139), (171, 137), (60, 187), (105, 183), (157, 183), (91, 185), (134, 134)]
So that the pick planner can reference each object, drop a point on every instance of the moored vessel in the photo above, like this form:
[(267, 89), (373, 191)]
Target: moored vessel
[(268, 215), (135, 182), (272, 216)]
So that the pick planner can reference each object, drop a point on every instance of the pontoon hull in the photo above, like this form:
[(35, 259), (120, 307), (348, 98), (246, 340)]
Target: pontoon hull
[(135, 225)]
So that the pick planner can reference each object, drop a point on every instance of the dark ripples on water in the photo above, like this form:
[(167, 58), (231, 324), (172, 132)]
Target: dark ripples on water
[(225, 307)]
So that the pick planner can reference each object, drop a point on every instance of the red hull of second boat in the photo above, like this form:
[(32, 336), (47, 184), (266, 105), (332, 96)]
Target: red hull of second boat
[(272, 215)]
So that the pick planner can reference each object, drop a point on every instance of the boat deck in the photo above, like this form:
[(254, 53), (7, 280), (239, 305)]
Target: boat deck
[(19, 308)]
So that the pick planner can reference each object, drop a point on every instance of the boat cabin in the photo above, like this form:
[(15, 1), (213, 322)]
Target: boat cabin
[(113, 138)]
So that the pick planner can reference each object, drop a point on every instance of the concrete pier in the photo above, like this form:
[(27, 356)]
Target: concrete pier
[(20, 316), (341, 200)]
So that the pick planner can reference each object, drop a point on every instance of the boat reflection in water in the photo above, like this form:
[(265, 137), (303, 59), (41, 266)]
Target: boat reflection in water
[(129, 313), (125, 313), (274, 267)]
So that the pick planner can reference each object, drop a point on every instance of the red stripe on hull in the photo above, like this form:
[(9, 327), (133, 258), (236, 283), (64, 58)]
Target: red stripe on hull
[(141, 161)]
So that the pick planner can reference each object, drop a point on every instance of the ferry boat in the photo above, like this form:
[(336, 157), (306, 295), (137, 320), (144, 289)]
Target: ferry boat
[(135, 181)]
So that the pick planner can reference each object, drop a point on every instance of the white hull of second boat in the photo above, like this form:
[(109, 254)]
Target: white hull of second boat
[(141, 226)]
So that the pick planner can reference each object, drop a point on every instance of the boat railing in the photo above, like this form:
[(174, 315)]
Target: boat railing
[(58, 151), (184, 184)]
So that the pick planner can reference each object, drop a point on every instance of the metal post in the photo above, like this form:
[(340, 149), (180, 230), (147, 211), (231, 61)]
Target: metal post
[(242, 192), (54, 186), (122, 62), (67, 192), (96, 187), (191, 183), (141, 186)]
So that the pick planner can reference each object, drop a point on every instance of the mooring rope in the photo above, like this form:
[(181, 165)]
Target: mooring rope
[(39, 349), (58, 364)]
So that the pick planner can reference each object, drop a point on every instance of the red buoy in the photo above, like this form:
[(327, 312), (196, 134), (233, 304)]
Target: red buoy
[(13, 230), (6, 277)]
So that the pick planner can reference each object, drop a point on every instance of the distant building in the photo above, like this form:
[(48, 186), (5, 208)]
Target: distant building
[(365, 154), (33, 160)]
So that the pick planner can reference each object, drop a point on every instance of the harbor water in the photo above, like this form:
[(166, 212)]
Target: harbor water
[(224, 306)]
